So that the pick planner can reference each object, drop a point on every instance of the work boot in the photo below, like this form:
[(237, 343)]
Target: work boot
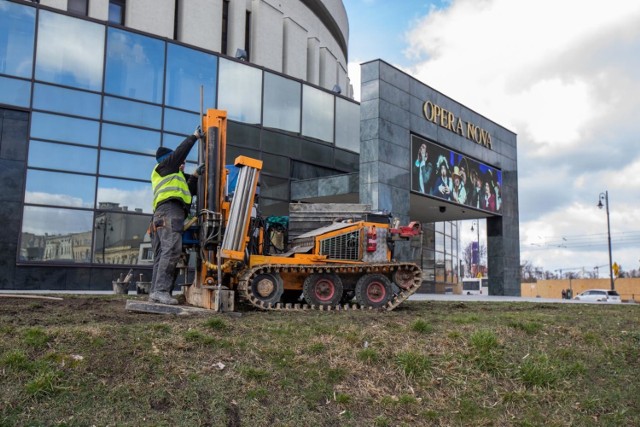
[(162, 298)]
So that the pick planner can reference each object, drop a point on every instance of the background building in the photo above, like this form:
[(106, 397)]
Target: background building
[(89, 89)]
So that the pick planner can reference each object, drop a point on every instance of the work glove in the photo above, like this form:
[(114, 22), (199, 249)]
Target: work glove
[(198, 132), (199, 170)]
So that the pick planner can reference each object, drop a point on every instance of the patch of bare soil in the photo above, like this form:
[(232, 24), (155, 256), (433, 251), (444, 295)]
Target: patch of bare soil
[(70, 310)]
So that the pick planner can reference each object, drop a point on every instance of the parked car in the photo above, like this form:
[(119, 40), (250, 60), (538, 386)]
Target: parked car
[(599, 295)]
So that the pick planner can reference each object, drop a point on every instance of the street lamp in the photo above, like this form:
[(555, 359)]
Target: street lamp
[(605, 196), (104, 224), (477, 223)]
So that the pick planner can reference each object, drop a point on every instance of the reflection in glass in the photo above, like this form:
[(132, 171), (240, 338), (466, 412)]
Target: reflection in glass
[(276, 188), (187, 70), (70, 51), (54, 234), (276, 165), (15, 92), (347, 125), (135, 66), (120, 194), (126, 165), (172, 141), (180, 121), (67, 101), (17, 25), (63, 157), (240, 91), (317, 114), (121, 238), (132, 139), (439, 242), (116, 11), (64, 129), (281, 103), (131, 112), (59, 189)]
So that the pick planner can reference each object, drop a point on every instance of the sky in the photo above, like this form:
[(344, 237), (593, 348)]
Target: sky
[(564, 75)]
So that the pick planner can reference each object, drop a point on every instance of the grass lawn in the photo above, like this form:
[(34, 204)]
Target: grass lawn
[(87, 361)]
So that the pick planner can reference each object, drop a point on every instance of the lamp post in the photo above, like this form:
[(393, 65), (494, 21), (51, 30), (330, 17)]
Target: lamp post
[(605, 196), (102, 224), (477, 223)]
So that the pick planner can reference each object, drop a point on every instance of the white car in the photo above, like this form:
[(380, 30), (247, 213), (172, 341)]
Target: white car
[(599, 295)]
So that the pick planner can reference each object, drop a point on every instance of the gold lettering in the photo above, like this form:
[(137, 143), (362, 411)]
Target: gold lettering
[(452, 120), (446, 119), (471, 131), (443, 118), (485, 138), (428, 111), (437, 114)]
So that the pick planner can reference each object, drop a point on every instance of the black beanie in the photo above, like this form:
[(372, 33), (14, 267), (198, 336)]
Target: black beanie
[(162, 151)]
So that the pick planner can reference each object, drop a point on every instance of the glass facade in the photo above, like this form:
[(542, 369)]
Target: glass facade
[(70, 51), (101, 101), (440, 255)]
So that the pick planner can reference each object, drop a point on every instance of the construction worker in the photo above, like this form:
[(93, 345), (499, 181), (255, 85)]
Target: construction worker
[(172, 192)]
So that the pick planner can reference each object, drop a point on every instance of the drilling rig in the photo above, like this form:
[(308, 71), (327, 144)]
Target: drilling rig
[(344, 265)]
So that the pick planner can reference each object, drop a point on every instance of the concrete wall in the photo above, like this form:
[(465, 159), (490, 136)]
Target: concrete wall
[(267, 39), (205, 16), (628, 288), (151, 16)]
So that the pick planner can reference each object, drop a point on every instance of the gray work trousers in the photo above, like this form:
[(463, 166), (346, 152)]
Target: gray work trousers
[(168, 220)]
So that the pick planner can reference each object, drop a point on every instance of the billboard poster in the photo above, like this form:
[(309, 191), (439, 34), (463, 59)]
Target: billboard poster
[(447, 175)]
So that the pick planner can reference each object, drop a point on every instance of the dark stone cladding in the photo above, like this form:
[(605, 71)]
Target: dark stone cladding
[(321, 11)]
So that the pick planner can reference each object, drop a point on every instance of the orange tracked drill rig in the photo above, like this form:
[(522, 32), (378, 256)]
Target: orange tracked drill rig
[(344, 265)]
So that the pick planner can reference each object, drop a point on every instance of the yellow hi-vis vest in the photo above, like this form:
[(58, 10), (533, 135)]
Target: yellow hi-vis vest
[(172, 186)]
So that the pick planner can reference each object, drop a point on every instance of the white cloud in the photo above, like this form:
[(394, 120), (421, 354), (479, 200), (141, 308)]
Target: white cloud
[(564, 76), (64, 51), (140, 198)]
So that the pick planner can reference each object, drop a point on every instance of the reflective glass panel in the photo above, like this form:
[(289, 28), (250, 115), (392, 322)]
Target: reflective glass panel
[(119, 238), (126, 165), (347, 125), (317, 114), (63, 157), (187, 70), (116, 11), (17, 25), (282, 98), (135, 66), (439, 242), (15, 92), (119, 193), (70, 51), (67, 101), (276, 165), (132, 139), (272, 187), (60, 189), (65, 129), (133, 113), (180, 121), (54, 234), (240, 91), (79, 7), (172, 141)]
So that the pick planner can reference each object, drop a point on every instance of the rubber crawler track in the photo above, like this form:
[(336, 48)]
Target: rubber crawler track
[(245, 295)]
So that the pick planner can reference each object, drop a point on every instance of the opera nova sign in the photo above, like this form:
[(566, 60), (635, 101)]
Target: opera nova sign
[(446, 119)]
